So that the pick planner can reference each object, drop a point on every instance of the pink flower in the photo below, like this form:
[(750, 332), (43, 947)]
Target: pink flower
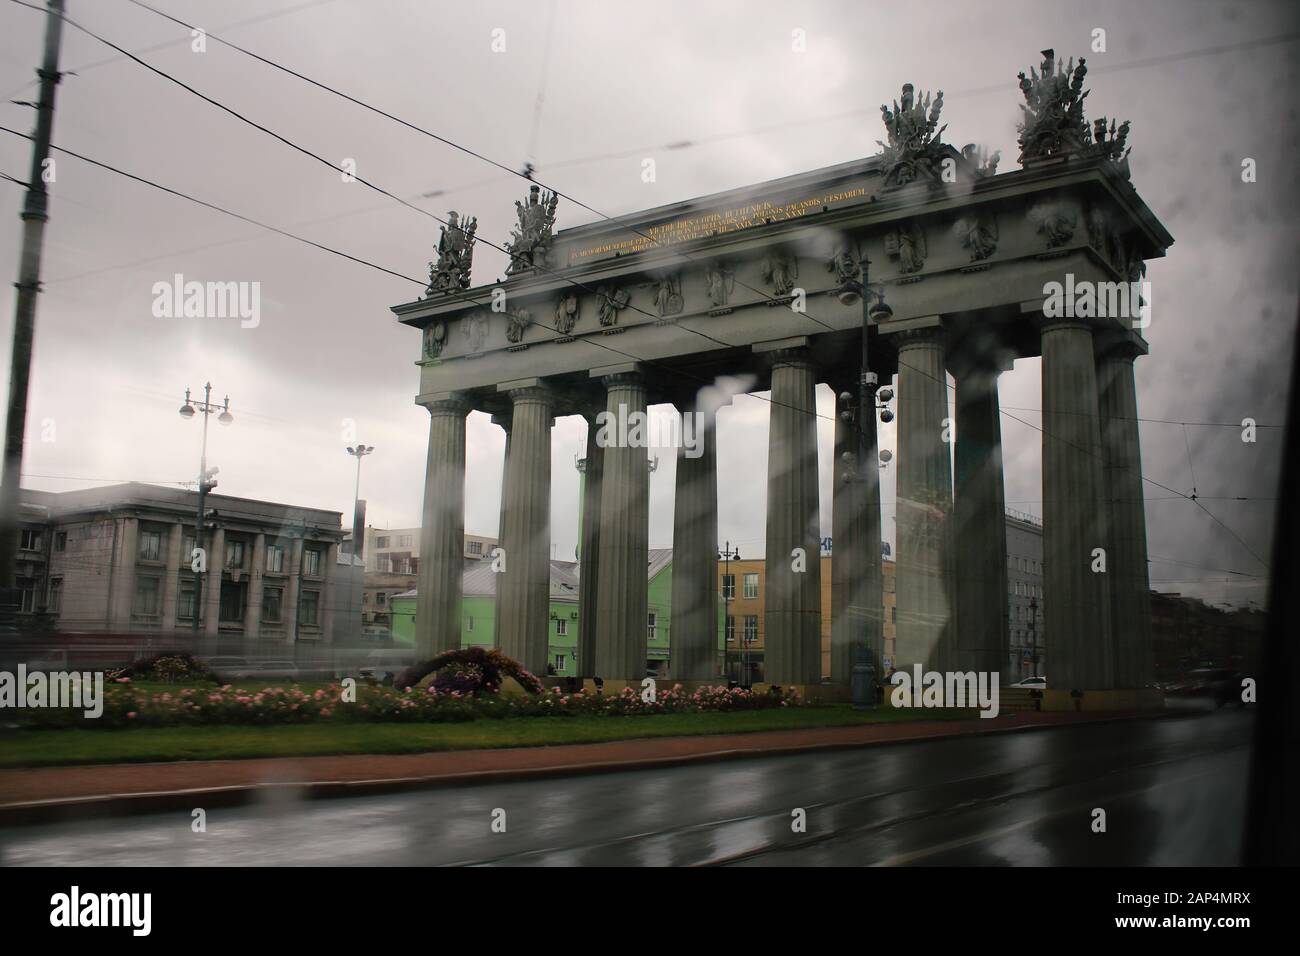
[(130, 713)]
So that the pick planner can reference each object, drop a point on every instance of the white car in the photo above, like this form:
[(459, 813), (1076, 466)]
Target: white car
[(1034, 683)]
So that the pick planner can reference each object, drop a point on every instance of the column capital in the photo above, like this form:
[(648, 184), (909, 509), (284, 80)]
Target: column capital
[(528, 390), (616, 379), (447, 403), (1115, 344), (919, 337)]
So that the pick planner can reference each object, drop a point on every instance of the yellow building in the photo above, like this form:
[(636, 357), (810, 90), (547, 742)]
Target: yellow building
[(741, 585)]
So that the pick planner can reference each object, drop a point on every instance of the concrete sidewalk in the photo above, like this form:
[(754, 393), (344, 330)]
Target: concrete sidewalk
[(42, 794)]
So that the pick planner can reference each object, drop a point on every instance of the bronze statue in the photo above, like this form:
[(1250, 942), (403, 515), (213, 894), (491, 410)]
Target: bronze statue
[(455, 254), (530, 240), (914, 148)]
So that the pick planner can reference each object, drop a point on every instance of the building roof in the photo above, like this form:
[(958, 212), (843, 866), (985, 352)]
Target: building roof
[(139, 495)]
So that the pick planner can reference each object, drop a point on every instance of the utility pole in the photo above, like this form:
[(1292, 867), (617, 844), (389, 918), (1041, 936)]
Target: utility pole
[(34, 216), (206, 483)]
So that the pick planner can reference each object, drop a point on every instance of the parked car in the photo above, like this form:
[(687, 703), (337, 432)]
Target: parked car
[(1218, 685), (227, 667), (1033, 683)]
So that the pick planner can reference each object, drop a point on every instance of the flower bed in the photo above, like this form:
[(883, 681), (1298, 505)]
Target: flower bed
[(128, 706)]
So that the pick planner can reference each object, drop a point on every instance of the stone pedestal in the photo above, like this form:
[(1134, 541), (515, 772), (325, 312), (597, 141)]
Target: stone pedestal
[(1130, 600), (693, 635), (524, 587), (926, 622), (442, 532), (792, 602), (1076, 598), (624, 553)]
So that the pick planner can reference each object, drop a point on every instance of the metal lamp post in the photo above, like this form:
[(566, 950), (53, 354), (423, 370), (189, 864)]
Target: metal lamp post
[(358, 546), (726, 556), (874, 309), (207, 482)]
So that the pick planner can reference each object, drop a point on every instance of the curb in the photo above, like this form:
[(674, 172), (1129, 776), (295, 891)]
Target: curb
[(66, 809)]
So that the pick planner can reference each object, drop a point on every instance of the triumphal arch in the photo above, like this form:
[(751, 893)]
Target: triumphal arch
[(969, 270)]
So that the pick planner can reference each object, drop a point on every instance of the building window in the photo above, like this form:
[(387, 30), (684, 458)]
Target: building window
[(55, 603), (751, 628), (469, 623), (309, 609), (150, 545), (475, 547), (561, 628), (185, 601), (29, 540), (231, 607), (650, 625), (27, 601), (234, 554), (147, 590), (272, 602), (560, 662), (311, 562), (381, 599), (60, 541), (404, 540), (729, 587), (893, 614), (274, 559), (731, 629), (382, 542), (751, 585)]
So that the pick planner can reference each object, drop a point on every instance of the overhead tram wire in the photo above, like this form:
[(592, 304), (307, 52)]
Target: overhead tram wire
[(385, 192), (501, 166), (220, 209)]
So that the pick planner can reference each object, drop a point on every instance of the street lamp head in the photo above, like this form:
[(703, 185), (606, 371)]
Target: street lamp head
[(886, 416), (225, 418), (187, 411), (881, 312), (886, 394)]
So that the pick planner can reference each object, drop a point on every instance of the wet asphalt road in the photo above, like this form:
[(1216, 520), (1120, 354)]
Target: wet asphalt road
[(1173, 791)]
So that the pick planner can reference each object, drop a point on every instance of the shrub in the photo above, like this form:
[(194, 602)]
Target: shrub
[(169, 667), (470, 670)]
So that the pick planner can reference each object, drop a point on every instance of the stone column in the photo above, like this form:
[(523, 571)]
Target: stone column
[(504, 421), (622, 602), (256, 571), (593, 470), (171, 583), (121, 598), (329, 593), (857, 599), (980, 525), (926, 623), (1126, 515), (442, 532), (212, 582), (524, 587), (792, 603), (1076, 598), (693, 634), (291, 591)]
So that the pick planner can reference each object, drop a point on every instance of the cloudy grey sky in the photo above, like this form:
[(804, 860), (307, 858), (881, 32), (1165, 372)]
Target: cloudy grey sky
[(1205, 84)]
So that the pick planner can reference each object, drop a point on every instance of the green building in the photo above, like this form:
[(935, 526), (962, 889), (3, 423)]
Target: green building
[(478, 612)]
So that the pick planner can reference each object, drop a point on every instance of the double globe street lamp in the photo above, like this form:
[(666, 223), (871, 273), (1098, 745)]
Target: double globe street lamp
[(207, 481)]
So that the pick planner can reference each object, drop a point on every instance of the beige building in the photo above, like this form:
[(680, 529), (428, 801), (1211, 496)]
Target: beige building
[(392, 557), (117, 559)]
